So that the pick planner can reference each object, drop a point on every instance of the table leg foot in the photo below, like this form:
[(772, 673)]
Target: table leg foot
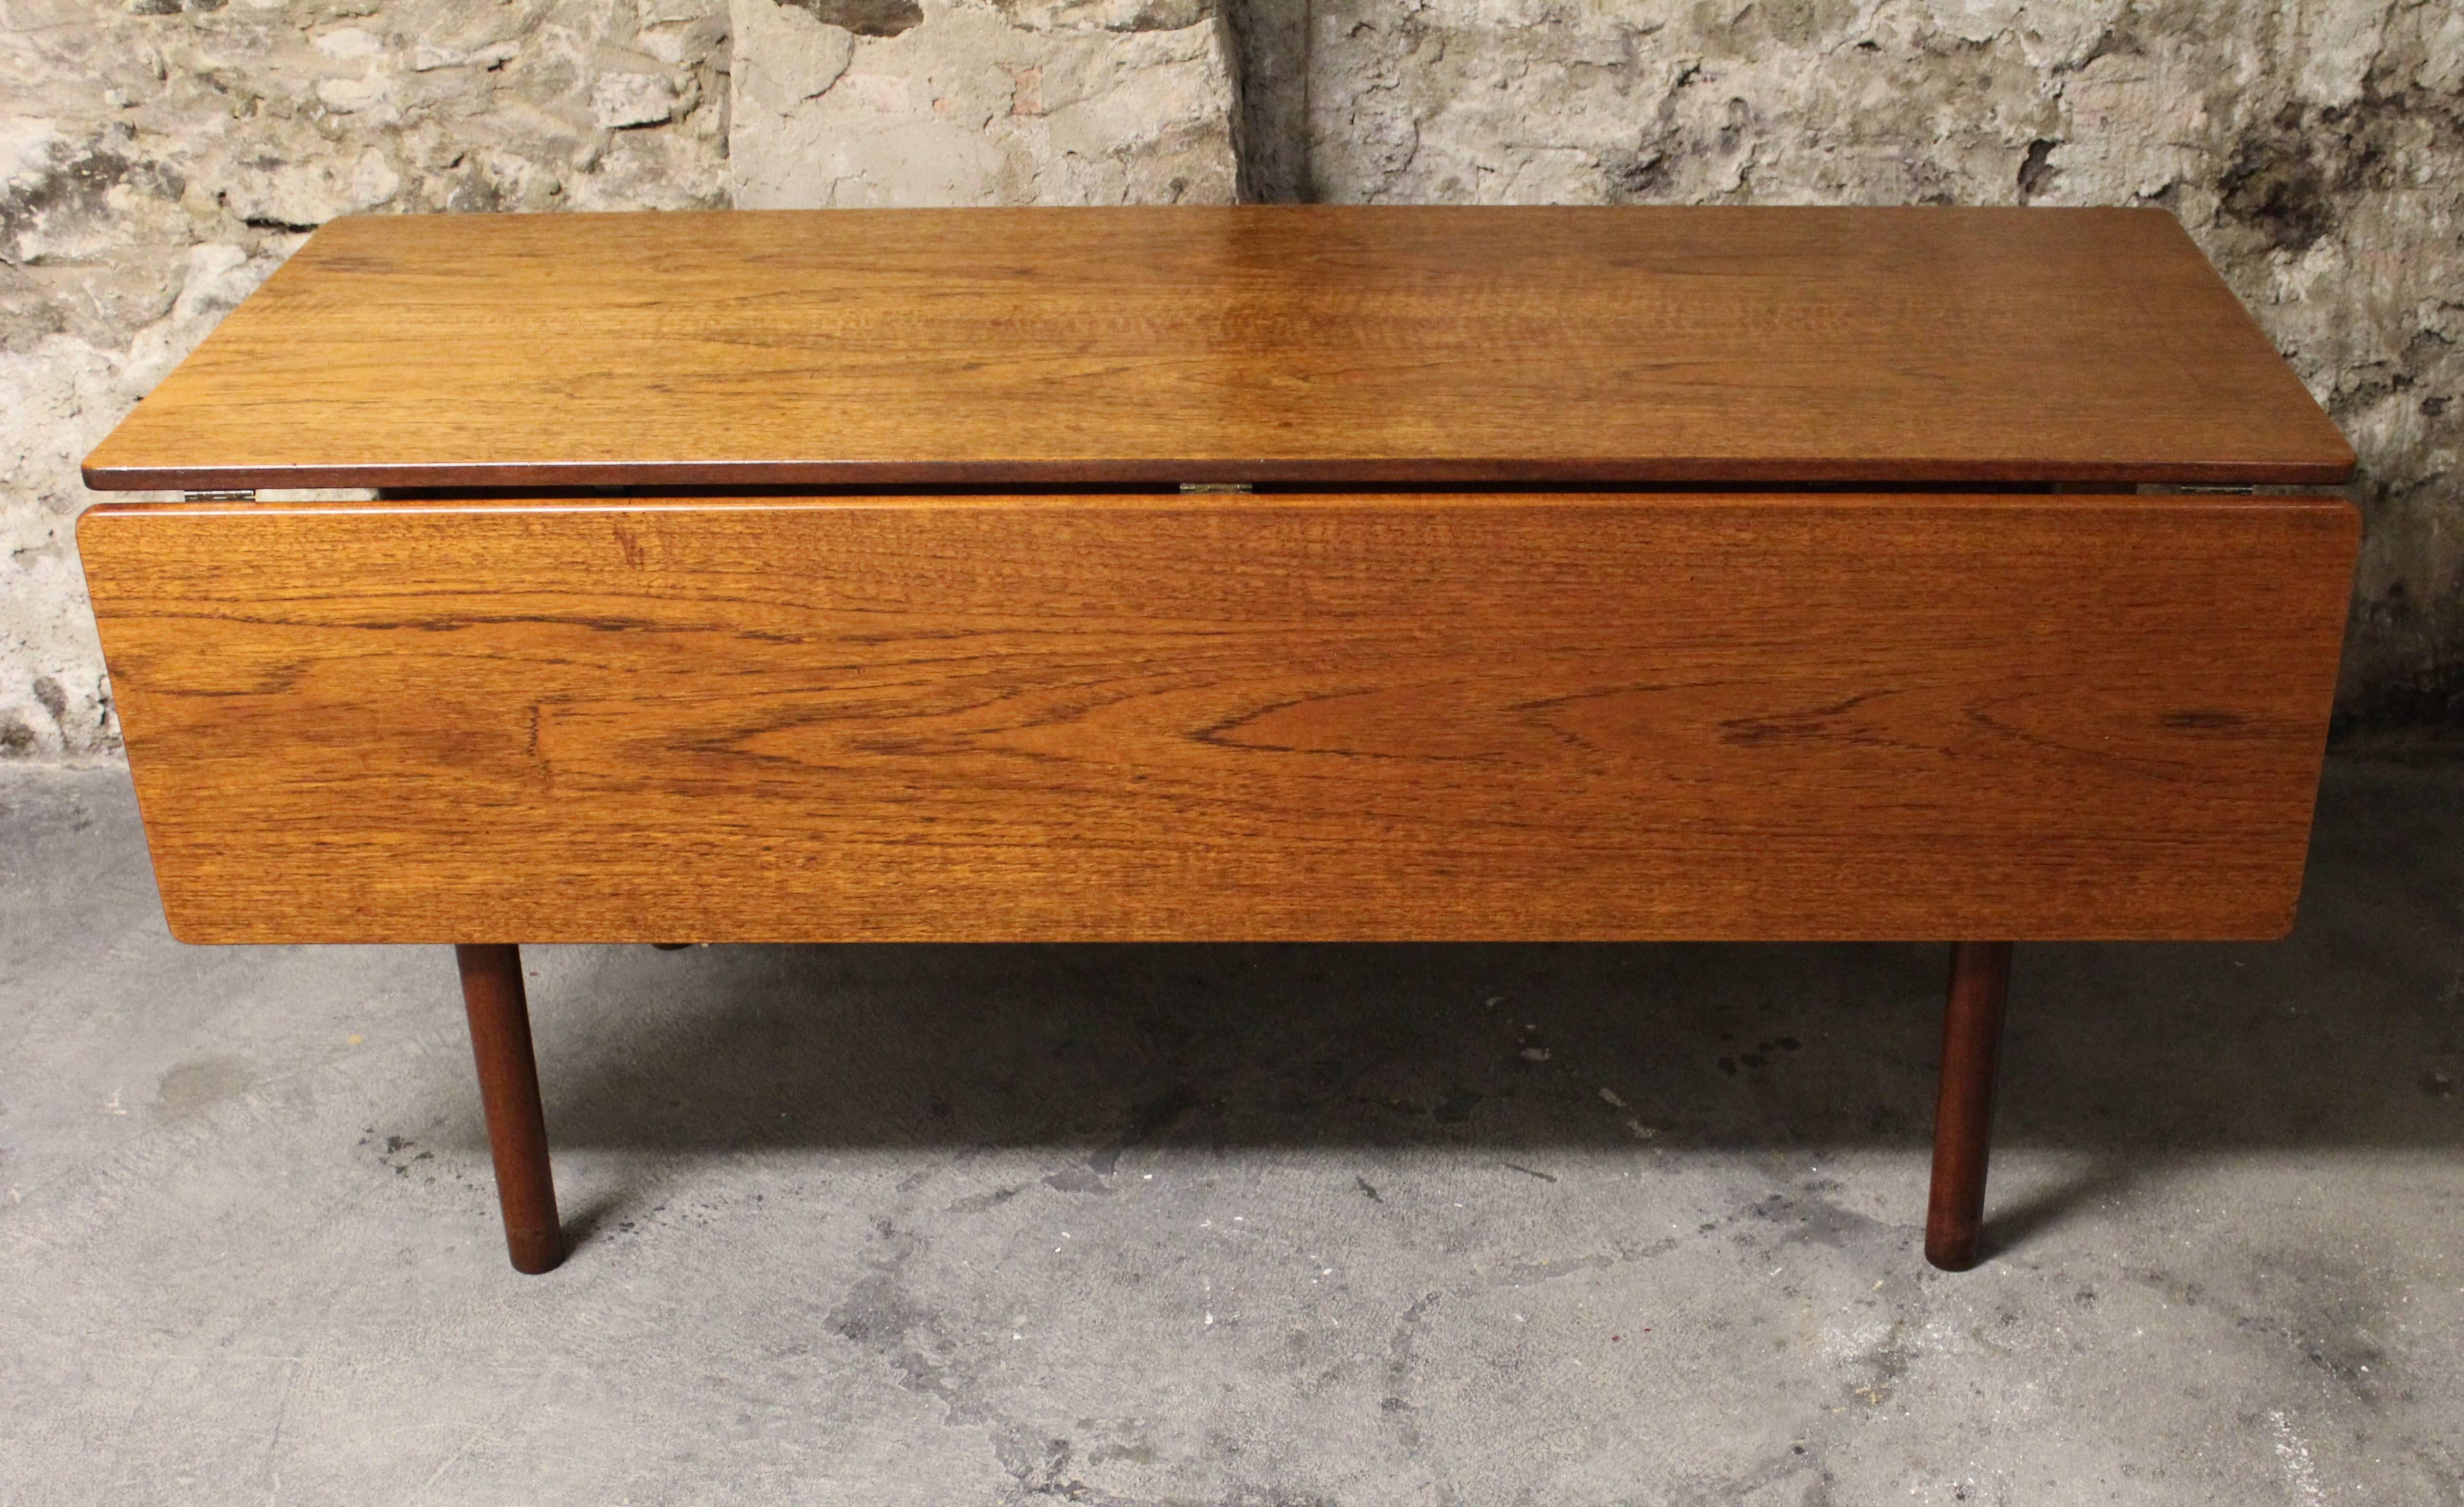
[(1963, 1117), (500, 1039)]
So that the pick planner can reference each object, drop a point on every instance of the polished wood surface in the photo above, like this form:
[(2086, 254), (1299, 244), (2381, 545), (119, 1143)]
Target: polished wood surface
[(1460, 716), (509, 1095), (1437, 346), (1963, 1114)]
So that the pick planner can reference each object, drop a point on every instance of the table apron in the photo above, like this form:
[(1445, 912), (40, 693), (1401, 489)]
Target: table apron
[(1727, 715)]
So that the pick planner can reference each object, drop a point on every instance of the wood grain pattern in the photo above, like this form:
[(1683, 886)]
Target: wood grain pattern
[(1432, 347), (1125, 717)]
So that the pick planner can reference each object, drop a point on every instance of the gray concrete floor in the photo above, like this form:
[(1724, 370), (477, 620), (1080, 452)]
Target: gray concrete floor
[(1264, 1226)]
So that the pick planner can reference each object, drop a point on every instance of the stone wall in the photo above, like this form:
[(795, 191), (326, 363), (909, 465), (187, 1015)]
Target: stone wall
[(159, 155)]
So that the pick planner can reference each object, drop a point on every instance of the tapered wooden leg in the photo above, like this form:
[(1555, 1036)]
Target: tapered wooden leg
[(500, 1039), (1963, 1115)]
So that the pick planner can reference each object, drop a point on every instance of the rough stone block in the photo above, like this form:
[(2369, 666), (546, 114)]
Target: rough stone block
[(852, 102)]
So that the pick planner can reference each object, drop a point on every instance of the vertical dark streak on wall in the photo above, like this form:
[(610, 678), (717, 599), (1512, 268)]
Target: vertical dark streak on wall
[(1271, 41)]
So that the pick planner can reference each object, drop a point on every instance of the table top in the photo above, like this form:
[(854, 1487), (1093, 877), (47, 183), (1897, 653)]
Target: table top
[(1325, 345)]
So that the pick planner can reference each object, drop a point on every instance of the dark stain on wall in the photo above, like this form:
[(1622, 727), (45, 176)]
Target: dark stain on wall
[(864, 17), (78, 188), (2279, 183), (1637, 176), (2036, 170)]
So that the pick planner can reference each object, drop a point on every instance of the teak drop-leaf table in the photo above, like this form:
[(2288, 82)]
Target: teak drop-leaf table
[(1262, 573)]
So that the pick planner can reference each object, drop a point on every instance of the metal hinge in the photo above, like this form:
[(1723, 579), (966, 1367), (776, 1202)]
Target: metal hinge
[(238, 494), (1215, 485)]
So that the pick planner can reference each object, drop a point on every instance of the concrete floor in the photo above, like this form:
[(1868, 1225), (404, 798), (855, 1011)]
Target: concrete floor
[(1264, 1226)]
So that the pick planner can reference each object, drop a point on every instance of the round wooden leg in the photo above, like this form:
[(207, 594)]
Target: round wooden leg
[(500, 1041), (1963, 1116)]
